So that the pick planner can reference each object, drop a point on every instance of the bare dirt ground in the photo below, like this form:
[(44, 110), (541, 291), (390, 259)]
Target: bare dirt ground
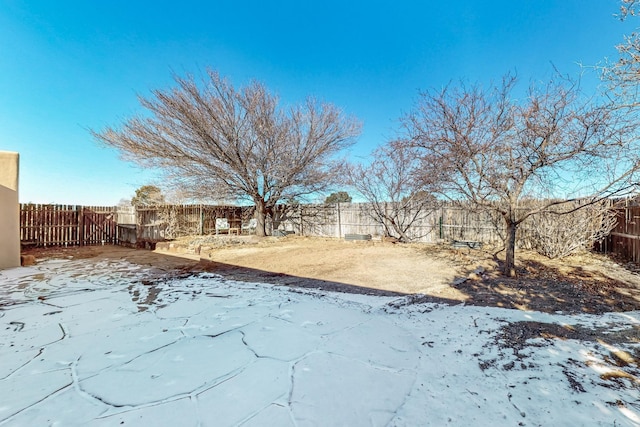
[(588, 283)]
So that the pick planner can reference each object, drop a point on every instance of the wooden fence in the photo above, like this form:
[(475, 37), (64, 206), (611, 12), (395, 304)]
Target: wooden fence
[(440, 222), (171, 221), (74, 225), (624, 239), (64, 225), (60, 225)]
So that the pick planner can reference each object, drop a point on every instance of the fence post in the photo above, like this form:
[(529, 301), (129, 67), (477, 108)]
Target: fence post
[(81, 231), (139, 223), (301, 221), (441, 222), (339, 220)]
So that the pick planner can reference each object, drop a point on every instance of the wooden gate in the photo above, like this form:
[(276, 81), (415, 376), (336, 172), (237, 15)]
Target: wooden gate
[(98, 227)]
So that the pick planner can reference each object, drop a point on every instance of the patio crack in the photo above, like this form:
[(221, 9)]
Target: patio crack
[(23, 365), (255, 353), (53, 393), (83, 393), (137, 356), (18, 327)]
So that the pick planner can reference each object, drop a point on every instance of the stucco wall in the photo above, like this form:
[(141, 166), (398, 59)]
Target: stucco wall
[(9, 210)]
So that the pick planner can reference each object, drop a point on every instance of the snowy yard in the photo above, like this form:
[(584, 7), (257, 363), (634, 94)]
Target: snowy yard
[(87, 342)]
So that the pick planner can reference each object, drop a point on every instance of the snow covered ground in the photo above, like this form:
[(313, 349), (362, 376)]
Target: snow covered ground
[(109, 343)]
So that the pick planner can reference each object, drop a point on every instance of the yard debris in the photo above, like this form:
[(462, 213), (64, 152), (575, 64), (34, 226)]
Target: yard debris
[(27, 260)]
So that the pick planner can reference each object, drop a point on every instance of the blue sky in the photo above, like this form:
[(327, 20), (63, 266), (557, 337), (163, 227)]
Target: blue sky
[(67, 66)]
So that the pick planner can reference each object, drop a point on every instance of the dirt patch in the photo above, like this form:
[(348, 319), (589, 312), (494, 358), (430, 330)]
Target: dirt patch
[(589, 283)]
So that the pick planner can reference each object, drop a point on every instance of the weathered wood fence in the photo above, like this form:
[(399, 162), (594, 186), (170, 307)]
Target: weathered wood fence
[(63, 225), (60, 225), (74, 225), (441, 222), (624, 239), (171, 221)]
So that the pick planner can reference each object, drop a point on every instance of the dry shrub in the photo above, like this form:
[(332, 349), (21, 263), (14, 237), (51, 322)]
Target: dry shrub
[(566, 232)]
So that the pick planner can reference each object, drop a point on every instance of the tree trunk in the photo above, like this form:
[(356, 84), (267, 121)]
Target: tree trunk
[(510, 246), (261, 213), (398, 229)]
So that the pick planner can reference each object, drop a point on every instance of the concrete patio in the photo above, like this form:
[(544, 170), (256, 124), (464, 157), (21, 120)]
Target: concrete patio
[(106, 342)]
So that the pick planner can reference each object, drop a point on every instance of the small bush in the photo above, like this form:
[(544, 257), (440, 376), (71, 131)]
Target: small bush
[(563, 233)]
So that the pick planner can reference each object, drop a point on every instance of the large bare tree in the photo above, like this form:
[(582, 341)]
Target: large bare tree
[(488, 147), (217, 142), (388, 183)]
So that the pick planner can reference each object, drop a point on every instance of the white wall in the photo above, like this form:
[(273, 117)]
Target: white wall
[(9, 210)]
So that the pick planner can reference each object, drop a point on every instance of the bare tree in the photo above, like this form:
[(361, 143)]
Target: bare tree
[(489, 148), (339, 197), (217, 142), (148, 195), (388, 183)]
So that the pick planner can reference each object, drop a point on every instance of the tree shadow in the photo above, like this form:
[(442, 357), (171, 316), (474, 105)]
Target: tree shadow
[(246, 274), (549, 289), (536, 287)]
